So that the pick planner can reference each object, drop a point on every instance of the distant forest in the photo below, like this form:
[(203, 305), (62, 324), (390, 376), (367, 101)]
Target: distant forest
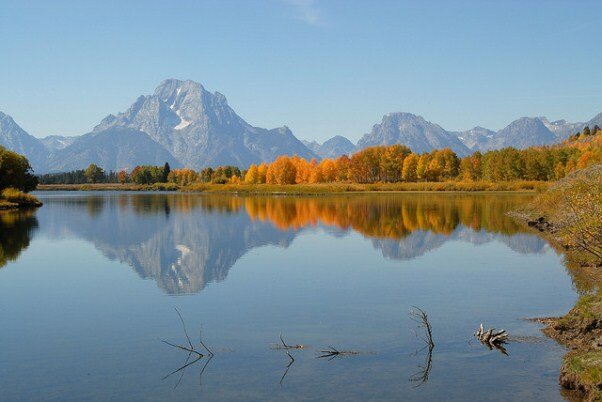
[(385, 164)]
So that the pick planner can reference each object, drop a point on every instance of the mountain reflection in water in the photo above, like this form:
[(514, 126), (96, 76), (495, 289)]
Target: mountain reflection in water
[(185, 241)]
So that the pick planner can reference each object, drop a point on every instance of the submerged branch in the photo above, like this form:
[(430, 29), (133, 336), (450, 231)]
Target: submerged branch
[(420, 317), (191, 350)]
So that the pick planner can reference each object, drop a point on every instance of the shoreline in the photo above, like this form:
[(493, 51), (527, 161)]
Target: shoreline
[(14, 206), (579, 330), (307, 189)]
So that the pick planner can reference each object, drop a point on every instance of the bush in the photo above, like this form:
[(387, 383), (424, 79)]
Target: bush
[(574, 206), (18, 197), (165, 187)]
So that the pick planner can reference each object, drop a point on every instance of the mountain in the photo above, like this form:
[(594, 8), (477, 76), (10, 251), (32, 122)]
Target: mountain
[(522, 133), (332, 148), (184, 124), (595, 121), (115, 148), (56, 142), (13, 137), (313, 146), (199, 128), (476, 138), (413, 131), (335, 147), (561, 128)]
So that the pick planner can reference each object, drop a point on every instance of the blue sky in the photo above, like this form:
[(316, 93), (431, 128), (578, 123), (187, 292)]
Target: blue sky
[(321, 67)]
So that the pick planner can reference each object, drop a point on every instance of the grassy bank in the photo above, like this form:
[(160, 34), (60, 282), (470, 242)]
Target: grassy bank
[(320, 188), (15, 199), (109, 187), (569, 215), (581, 330)]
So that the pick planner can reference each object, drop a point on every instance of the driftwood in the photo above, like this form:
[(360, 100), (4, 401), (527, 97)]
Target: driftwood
[(492, 338)]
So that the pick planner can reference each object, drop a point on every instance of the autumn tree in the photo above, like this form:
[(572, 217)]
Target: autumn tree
[(262, 170), (342, 166), (206, 175), (94, 173), (408, 172), (391, 162), (281, 171), (252, 175), (122, 177), (422, 167), (183, 177), (329, 170), (16, 172)]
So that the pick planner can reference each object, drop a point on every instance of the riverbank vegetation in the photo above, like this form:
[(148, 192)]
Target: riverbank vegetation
[(307, 189), (16, 180), (381, 168), (569, 214)]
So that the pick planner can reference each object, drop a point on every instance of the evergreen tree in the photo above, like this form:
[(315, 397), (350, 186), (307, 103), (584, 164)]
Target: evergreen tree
[(166, 170)]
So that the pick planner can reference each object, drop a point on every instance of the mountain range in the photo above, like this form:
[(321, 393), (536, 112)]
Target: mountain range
[(184, 124)]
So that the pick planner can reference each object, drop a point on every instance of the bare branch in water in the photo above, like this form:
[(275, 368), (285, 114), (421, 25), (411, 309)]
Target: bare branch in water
[(288, 366), (184, 327), (183, 348), (203, 369), (422, 375), (205, 346), (291, 358), (286, 348), (421, 318), (182, 368), (332, 352), (191, 350)]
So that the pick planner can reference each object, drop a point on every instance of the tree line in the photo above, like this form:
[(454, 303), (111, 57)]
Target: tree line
[(379, 164), (396, 163)]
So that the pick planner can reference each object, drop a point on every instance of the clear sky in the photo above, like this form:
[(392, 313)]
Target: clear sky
[(321, 67)]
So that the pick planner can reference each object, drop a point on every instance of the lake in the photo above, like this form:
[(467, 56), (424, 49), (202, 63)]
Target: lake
[(89, 284)]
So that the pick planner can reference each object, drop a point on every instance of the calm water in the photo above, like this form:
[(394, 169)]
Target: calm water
[(89, 283)]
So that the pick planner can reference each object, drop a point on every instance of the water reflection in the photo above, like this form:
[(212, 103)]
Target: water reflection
[(16, 230), (184, 241)]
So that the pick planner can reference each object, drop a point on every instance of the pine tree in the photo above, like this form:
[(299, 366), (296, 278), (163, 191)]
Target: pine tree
[(166, 170)]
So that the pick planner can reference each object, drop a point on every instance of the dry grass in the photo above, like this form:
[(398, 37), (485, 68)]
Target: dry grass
[(318, 188), (109, 187), (11, 197), (325, 188)]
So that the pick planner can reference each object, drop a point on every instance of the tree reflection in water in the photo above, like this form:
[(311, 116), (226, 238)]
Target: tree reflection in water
[(184, 241), (16, 230)]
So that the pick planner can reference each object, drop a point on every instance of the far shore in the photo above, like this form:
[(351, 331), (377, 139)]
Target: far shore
[(320, 188)]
